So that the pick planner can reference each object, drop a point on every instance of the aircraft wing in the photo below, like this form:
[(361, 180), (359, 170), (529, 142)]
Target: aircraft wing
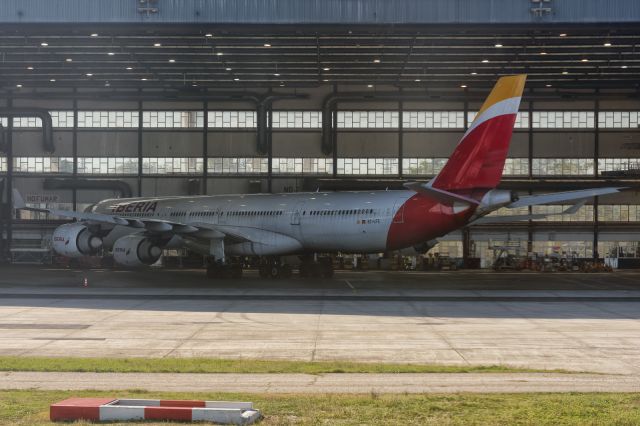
[(534, 200)]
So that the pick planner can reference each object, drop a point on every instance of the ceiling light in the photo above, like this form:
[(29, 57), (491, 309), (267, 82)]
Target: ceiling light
[(236, 79), (267, 45), (563, 34), (44, 44), (464, 86), (19, 86), (607, 44), (194, 84), (89, 74), (376, 61), (281, 84), (325, 79), (543, 53), (227, 69), (277, 74), (417, 80), (369, 86), (143, 79), (624, 67), (157, 44), (69, 60), (219, 54), (30, 68), (107, 84), (208, 35), (110, 53), (94, 35), (484, 61), (565, 72), (474, 73), (128, 68), (584, 60), (172, 60), (326, 69), (498, 45), (53, 80), (547, 85)]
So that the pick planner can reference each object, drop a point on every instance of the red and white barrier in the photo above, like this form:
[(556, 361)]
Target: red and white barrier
[(113, 409)]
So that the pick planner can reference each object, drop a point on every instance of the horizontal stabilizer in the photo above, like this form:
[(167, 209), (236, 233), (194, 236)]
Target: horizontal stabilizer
[(534, 200), (445, 197)]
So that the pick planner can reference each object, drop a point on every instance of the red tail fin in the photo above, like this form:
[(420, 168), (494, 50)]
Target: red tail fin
[(478, 160)]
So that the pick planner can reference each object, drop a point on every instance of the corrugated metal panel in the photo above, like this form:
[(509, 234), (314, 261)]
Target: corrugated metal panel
[(320, 11)]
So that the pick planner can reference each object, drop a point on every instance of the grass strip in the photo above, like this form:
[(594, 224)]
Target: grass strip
[(209, 365), (31, 407)]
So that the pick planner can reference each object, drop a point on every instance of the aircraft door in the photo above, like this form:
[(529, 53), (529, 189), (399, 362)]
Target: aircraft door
[(296, 214), (398, 212)]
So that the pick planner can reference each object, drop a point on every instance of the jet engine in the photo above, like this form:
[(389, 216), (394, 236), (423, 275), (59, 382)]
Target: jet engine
[(75, 240), (135, 250)]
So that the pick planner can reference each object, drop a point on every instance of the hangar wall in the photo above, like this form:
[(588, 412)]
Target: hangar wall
[(176, 148)]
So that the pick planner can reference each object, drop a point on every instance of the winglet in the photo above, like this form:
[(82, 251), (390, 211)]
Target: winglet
[(18, 201)]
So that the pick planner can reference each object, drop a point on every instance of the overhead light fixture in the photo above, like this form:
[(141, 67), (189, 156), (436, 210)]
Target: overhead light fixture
[(219, 54), (110, 53), (19, 86), (53, 80), (89, 74), (277, 74), (172, 60), (128, 68), (267, 45), (281, 84), (369, 86), (624, 67), (563, 34), (547, 85), (107, 84), (208, 35), (69, 60), (416, 80), (474, 73), (236, 79), (326, 69), (464, 86), (607, 44), (543, 53), (484, 61), (325, 80), (30, 68), (44, 44), (376, 61), (498, 45), (194, 84), (94, 34), (143, 79), (157, 44), (565, 72), (227, 69), (584, 60)]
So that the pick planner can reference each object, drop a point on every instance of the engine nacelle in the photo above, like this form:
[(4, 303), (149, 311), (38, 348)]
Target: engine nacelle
[(135, 250), (75, 240), (495, 199)]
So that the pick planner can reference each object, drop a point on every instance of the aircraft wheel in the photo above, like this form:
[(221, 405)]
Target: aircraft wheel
[(274, 271)]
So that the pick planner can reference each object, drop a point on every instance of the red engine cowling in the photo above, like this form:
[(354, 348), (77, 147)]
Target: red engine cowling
[(135, 250), (75, 240)]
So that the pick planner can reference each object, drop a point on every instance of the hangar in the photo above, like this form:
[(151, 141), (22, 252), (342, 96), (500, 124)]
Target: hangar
[(145, 98)]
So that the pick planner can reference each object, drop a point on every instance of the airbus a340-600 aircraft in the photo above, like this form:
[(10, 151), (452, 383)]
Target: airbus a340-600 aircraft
[(136, 230)]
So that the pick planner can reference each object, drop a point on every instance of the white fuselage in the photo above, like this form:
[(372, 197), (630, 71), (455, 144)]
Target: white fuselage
[(287, 223)]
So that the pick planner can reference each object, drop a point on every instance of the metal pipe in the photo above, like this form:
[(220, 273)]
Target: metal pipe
[(42, 114)]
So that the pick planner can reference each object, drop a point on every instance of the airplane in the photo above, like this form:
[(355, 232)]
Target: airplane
[(271, 226)]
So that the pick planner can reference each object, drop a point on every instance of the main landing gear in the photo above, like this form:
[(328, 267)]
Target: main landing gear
[(320, 268), (221, 270), (274, 268)]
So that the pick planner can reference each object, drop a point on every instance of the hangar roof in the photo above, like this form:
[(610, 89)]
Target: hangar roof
[(449, 48)]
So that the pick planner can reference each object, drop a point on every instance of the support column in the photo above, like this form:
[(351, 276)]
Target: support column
[(400, 137), (334, 135), (139, 148), (5, 254), (205, 146), (269, 136), (74, 136), (596, 228)]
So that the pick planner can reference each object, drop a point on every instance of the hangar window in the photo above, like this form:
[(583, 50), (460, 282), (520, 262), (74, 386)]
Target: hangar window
[(108, 119), (232, 119), (563, 119), (296, 119), (43, 165), (563, 166), (522, 119), (108, 165), (516, 167), (630, 166), (302, 165), (618, 213), (584, 213), (227, 165), (368, 119), (4, 121), (171, 166), (3, 164), (422, 166), (26, 122), (367, 166), (619, 119), (433, 119), (172, 119), (62, 119)]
